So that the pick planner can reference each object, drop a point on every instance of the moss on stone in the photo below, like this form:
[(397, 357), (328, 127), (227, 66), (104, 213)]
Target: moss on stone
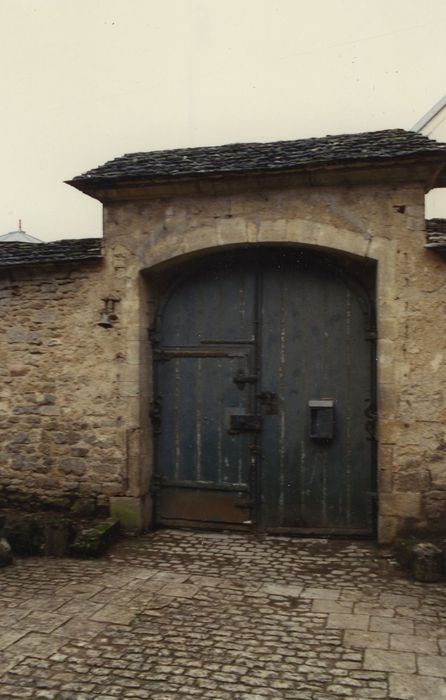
[(128, 512), (25, 535), (93, 541)]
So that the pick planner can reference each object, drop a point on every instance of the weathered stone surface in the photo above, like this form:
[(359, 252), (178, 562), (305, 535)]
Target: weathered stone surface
[(424, 560), (25, 534), (86, 629), (428, 562), (432, 665), (385, 660), (437, 472), (435, 509), (410, 687), (416, 643), (93, 541), (348, 621), (5, 552), (401, 504), (395, 626)]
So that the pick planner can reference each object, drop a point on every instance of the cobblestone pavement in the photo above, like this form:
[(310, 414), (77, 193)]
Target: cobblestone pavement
[(174, 615)]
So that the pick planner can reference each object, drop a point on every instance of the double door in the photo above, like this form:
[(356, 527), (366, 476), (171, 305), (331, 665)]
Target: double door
[(264, 395)]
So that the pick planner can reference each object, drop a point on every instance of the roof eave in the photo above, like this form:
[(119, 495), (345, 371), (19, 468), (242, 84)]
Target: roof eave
[(428, 169)]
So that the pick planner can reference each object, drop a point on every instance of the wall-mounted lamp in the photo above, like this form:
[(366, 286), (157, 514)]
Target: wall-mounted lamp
[(108, 315)]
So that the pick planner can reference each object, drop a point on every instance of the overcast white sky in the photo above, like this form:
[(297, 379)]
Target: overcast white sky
[(83, 81)]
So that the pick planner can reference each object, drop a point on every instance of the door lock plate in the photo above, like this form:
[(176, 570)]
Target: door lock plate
[(245, 423)]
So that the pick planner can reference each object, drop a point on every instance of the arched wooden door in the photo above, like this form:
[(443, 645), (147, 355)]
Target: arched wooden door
[(264, 389)]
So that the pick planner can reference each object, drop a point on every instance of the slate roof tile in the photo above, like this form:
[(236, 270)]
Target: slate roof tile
[(243, 158), (436, 233), (65, 251)]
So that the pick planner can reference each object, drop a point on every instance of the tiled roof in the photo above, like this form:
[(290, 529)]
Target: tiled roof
[(436, 233), (57, 252), (243, 158)]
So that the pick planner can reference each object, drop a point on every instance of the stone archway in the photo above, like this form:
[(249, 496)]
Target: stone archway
[(264, 394)]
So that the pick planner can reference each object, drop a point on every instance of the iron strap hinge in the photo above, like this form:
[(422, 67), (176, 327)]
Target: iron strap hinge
[(155, 414), (154, 336)]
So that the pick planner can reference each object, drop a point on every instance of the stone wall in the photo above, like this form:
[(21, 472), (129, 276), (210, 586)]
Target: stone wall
[(382, 222), (75, 398), (62, 423)]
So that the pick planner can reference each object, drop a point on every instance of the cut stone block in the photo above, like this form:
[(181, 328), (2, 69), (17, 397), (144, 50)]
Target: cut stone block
[(423, 560), (427, 563), (366, 640), (384, 660), (410, 687)]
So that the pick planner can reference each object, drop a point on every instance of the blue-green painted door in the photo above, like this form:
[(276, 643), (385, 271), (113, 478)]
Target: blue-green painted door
[(263, 377)]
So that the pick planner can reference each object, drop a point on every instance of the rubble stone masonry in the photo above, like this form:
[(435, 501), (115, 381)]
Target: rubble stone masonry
[(61, 424)]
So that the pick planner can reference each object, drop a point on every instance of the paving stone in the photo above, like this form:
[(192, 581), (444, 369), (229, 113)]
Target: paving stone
[(116, 614), (411, 687), (41, 621), (384, 660), (396, 600), (169, 577), (385, 624), (328, 606), (44, 603), (76, 606), (154, 602), (179, 590), (429, 630), (373, 609), (10, 616), (79, 590), (432, 665), (8, 637), (410, 642), (347, 621), (277, 589), (39, 645), (323, 593), (208, 581), (150, 586), (80, 627), (366, 640), (257, 625)]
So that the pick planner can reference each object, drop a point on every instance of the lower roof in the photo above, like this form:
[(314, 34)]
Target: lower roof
[(65, 251)]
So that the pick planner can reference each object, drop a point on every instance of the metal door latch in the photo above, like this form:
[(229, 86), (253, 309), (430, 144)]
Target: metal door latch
[(241, 379), (244, 423)]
